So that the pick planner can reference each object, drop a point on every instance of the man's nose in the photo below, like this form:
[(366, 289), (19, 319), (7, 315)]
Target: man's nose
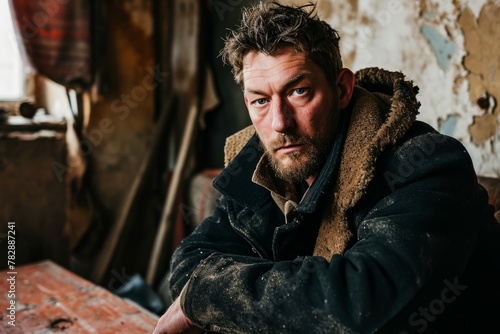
[(283, 119)]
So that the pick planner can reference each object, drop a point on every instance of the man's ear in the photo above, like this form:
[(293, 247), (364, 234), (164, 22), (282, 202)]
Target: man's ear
[(345, 87)]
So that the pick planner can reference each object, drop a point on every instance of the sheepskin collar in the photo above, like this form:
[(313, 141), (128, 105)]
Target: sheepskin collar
[(383, 108)]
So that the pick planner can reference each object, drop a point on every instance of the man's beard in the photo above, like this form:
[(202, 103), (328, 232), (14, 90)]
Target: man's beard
[(305, 163)]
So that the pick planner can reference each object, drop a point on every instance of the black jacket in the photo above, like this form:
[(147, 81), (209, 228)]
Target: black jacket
[(411, 246)]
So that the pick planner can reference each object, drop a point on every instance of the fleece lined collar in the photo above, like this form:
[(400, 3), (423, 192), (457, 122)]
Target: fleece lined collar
[(374, 126)]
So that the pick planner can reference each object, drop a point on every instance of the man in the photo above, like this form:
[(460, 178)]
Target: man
[(340, 212)]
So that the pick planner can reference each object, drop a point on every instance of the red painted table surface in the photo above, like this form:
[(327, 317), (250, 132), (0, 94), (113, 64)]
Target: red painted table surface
[(51, 299)]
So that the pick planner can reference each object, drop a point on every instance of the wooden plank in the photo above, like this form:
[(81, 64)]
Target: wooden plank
[(172, 199), (185, 58), (49, 298)]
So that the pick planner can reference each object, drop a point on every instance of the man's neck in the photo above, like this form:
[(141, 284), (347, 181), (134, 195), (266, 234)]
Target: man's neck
[(311, 179)]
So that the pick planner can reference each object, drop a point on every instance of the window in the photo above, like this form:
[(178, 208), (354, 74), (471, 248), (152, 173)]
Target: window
[(12, 70)]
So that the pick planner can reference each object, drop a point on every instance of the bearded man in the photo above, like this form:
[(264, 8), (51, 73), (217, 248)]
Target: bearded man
[(341, 213)]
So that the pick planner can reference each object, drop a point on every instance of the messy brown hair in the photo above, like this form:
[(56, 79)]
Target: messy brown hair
[(267, 27)]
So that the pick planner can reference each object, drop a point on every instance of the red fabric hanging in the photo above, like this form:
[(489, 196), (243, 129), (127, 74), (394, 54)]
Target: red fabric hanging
[(56, 37)]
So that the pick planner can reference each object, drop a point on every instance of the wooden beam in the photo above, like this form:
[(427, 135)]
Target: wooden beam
[(121, 226)]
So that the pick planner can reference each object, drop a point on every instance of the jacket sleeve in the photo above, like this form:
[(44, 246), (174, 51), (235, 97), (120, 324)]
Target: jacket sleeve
[(415, 227), (214, 235)]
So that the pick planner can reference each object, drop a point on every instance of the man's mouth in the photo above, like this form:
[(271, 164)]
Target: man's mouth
[(289, 148)]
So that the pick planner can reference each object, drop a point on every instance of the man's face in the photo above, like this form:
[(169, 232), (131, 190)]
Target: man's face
[(293, 109)]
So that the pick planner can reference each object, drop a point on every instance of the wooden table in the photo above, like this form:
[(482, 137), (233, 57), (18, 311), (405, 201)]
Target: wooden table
[(50, 299)]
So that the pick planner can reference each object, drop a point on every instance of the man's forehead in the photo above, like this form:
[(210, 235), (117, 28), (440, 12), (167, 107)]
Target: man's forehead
[(284, 53), (287, 63)]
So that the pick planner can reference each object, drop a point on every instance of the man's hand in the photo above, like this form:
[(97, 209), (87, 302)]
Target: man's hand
[(174, 321)]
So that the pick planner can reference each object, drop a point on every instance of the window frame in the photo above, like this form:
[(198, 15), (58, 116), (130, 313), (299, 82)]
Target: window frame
[(28, 81)]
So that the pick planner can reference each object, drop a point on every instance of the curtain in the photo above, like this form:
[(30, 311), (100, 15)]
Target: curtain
[(55, 37)]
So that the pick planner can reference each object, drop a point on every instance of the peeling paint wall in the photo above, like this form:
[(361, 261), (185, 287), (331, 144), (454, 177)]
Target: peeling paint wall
[(481, 41), (449, 49)]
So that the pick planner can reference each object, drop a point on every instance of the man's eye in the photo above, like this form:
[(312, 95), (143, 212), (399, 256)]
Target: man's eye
[(300, 91), (260, 102)]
